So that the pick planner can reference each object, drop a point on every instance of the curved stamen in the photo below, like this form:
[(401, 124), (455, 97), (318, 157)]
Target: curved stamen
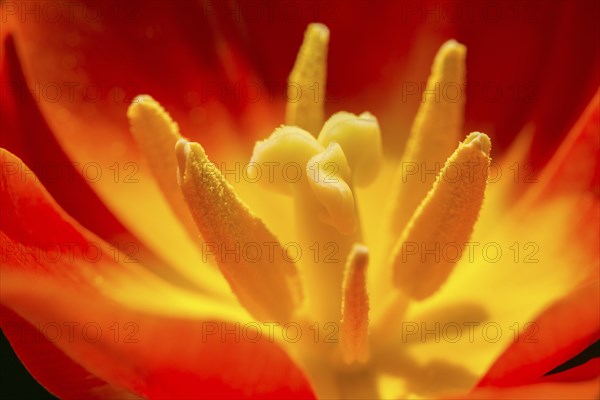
[(156, 135), (434, 135), (445, 218), (268, 284)]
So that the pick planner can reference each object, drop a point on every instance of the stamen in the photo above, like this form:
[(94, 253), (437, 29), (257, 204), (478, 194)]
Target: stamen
[(445, 218), (266, 281), (156, 135), (355, 308), (434, 133), (306, 83)]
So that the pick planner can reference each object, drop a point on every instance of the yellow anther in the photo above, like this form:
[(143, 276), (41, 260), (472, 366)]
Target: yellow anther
[(156, 135), (445, 218), (355, 307), (306, 83), (268, 286), (434, 135)]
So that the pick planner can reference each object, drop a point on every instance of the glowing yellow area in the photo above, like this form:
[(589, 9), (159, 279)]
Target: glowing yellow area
[(424, 293)]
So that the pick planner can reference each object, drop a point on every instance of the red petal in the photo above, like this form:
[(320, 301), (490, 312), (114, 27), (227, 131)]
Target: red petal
[(144, 45), (574, 171), (548, 391), (25, 133), (203, 60), (560, 333), (575, 167), (586, 371), (205, 44), (526, 62), (530, 62), (155, 354)]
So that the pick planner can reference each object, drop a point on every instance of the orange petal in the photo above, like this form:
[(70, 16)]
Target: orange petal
[(151, 355), (35, 230), (561, 332), (116, 320), (50, 366)]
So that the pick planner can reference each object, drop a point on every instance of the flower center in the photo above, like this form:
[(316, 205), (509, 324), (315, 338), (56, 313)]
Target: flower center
[(335, 157)]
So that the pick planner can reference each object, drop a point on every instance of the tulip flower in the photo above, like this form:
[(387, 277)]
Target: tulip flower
[(266, 217)]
